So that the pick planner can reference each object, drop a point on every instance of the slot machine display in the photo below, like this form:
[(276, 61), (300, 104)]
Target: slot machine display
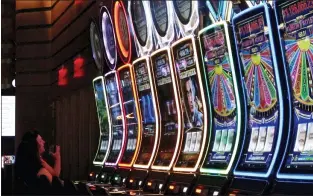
[(170, 119), (140, 18), (105, 134), (163, 22), (132, 128), (295, 23), (222, 79), (195, 115), (150, 128), (116, 119), (108, 38), (123, 31), (268, 106)]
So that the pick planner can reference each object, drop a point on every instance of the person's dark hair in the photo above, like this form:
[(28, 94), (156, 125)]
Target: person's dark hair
[(27, 162)]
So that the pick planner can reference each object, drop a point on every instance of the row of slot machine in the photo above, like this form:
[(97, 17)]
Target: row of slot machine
[(208, 98)]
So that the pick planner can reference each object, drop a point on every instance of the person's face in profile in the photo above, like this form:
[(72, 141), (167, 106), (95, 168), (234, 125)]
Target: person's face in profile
[(41, 144), (190, 95)]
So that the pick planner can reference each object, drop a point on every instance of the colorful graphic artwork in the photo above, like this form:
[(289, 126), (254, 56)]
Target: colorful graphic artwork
[(297, 19), (257, 63), (220, 80)]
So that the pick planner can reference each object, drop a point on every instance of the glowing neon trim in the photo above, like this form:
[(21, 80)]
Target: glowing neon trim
[(277, 80), (157, 130), (238, 105), (123, 121), (220, 14), (123, 52), (147, 48), (188, 29), (279, 174), (128, 67), (179, 121), (106, 16), (110, 132), (250, 4), (166, 40), (205, 115)]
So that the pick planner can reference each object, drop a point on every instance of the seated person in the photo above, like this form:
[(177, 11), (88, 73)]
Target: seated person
[(33, 171)]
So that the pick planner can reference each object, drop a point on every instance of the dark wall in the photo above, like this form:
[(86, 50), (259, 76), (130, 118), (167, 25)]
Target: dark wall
[(50, 34)]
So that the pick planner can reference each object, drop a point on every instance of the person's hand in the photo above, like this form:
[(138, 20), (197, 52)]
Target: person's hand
[(57, 155)]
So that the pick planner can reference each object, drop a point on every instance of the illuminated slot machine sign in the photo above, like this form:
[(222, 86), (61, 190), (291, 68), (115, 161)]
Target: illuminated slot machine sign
[(257, 58), (116, 119), (295, 20), (187, 16), (122, 31), (132, 128), (147, 105), (252, 3), (193, 104), (96, 45), (140, 19), (162, 13), (218, 63), (170, 118), (105, 134), (108, 37)]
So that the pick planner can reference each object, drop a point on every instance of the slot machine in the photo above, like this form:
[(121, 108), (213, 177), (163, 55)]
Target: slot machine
[(105, 138), (191, 98), (226, 95), (195, 116), (295, 24), (169, 120), (149, 118), (117, 126), (132, 128), (268, 105)]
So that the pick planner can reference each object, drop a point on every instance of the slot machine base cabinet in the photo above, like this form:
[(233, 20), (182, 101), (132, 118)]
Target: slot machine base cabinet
[(292, 188), (121, 176), (211, 185), (249, 186), (136, 179), (95, 173), (180, 184), (156, 182)]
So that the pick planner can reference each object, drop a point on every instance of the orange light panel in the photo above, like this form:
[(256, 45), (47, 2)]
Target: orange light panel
[(172, 187), (131, 180), (149, 183)]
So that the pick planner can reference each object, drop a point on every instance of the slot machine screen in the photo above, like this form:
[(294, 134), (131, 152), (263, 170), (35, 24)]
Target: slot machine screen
[(98, 85), (108, 36), (122, 31), (297, 41), (130, 114), (256, 60), (192, 104), (147, 112), (183, 10), (216, 59), (139, 21), (167, 105), (159, 16), (116, 117)]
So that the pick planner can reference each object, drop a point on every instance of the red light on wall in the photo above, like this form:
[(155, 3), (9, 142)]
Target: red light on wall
[(79, 70), (63, 76)]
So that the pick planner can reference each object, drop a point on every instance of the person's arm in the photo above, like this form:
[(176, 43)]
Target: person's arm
[(45, 172), (57, 164), (56, 170)]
